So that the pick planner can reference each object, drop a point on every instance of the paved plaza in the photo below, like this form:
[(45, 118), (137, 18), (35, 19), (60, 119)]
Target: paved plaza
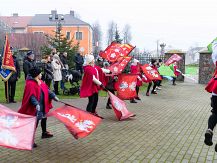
[(168, 127)]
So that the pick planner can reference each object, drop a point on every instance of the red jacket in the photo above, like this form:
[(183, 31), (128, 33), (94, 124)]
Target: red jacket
[(88, 87), (32, 88), (134, 69), (212, 84)]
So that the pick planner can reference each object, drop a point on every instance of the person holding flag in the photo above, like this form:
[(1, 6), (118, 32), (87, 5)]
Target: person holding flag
[(7, 68), (91, 84), (11, 88), (212, 88), (37, 100), (176, 72), (153, 65), (135, 69)]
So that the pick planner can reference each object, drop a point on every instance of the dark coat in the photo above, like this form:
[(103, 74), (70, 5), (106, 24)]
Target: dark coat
[(14, 77), (79, 60), (27, 65)]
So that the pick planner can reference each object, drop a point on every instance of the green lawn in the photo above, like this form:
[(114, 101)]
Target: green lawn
[(20, 90), (191, 69)]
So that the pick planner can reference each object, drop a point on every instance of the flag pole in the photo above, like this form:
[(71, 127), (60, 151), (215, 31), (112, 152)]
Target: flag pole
[(6, 92)]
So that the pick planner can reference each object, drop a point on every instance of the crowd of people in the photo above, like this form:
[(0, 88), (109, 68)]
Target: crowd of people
[(42, 85)]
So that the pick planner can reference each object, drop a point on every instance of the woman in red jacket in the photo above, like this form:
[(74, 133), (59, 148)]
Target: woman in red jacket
[(90, 84), (37, 100), (135, 69)]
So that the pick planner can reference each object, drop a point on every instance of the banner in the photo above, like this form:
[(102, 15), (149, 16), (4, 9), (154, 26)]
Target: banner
[(126, 86), (116, 50), (119, 107), (16, 130), (150, 73), (7, 67), (119, 66), (165, 71), (172, 59), (79, 122)]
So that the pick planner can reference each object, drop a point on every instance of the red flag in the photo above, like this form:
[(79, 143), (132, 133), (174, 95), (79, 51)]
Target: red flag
[(126, 86), (150, 73), (116, 50), (172, 59), (7, 61), (145, 79), (16, 130), (79, 123), (119, 107), (119, 66)]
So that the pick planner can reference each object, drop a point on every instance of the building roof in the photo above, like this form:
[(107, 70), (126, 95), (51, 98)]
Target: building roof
[(16, 21), (43, 20)]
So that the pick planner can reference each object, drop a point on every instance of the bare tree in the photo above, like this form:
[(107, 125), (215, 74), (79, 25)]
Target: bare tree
[(97, 36), (111, 32), (127, 34)]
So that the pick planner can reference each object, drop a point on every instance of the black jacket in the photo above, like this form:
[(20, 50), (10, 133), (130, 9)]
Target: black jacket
[(14, 77), (27, 65), (79, 60)]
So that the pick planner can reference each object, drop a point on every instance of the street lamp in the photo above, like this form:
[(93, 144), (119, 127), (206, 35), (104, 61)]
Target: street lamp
[(58, 19)]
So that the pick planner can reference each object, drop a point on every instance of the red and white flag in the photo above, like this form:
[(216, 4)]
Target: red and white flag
[(150, 73), (79, 122), (16, 130), (126, 86), (119, 66), (172, 59), (119, 108), (116, 50)]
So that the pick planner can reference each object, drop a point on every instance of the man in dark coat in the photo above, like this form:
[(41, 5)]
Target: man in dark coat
[(28, 63), (79, 61), (13, 80)]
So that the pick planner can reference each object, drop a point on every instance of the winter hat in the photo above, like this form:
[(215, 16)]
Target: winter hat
[(29, 53), (89, 58), (34, 72)]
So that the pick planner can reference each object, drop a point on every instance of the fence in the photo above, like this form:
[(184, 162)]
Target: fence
[(147, 59)]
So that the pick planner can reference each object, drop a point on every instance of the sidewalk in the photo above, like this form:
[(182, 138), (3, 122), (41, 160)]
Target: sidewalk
[(169, 127)]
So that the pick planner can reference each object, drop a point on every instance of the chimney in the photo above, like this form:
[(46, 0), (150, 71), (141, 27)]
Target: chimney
[(15, 14), (72, 13)]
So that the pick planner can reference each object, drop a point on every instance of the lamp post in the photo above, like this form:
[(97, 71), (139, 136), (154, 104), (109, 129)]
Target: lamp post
[(58, 19)]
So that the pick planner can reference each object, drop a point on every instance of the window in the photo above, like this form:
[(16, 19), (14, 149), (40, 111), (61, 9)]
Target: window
[(78, 35), (38, 32), (68, 35)]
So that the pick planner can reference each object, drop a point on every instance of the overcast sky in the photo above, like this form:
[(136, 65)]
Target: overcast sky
[(178, 23)]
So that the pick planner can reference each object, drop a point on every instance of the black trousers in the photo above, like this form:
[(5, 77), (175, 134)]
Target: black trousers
[(92, 103), (212, 121), (159, 82), (43, 124), (137, 90), (48, 82), (154, 86), (56, 87), (174, 80), (11, 90)]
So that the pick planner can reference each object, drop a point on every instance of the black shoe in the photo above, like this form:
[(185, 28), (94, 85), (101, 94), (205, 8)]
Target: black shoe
[(12, 101), (153, 92), (34, 145), (137, 98), (108, 107), (133, 101), (46, 135), (216, 147), (208, 137), (98, 115)]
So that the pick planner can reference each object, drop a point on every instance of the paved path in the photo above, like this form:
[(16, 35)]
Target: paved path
[(169, 127)]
